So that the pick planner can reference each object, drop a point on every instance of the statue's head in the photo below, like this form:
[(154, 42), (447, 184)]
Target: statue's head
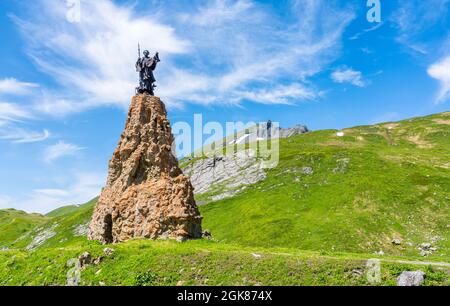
[(146, 53)]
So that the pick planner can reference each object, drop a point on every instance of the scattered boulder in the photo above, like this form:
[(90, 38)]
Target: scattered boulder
[(411, 279), (207, 235), (108, 251), (396, 241), (85, 259), (97, 261), (426, 249), (308, 170)]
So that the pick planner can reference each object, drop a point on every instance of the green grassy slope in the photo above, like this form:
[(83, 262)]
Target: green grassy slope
[(15, 224), (168, 263), (372, 185), (68, 226)]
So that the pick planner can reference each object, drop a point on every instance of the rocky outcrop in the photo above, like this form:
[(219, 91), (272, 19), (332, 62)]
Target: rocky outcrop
[(260, 132), (224, 176), (296, 130), (147, 195)]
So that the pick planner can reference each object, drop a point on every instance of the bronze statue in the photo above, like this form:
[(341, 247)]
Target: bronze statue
[(145, 66)]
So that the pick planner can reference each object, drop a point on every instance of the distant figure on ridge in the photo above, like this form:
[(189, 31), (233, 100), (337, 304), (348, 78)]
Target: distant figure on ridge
[(145, 66), (269, 129)]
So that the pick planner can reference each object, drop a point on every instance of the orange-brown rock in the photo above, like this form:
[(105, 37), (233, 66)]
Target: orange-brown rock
[(147, 195)]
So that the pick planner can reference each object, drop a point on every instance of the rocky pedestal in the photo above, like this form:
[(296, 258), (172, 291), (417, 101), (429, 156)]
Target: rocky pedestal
[(147, 195)]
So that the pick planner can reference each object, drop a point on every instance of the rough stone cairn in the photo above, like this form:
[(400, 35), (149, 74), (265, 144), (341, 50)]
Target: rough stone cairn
[(147, 195)]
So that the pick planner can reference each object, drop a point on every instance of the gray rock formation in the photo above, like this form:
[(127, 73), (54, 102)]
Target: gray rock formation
[(260, 132), (296, 130), (219, 177), (42, 235), (224, 176)]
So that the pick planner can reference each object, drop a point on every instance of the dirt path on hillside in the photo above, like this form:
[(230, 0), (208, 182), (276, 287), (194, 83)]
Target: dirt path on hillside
[(399, 261), (418, 263)]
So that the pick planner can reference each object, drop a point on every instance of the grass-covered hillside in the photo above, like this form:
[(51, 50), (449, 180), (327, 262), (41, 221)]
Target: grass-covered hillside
[(62, 227), (15, 224), (355, 193), (332, 203)]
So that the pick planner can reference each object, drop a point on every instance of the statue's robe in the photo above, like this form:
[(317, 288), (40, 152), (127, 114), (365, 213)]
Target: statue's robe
[(145, 66)]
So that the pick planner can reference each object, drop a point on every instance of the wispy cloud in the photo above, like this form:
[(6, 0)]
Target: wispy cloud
[(415, 20), (349, 76), (93, 60), (441, 72), (281, 94), (257, 52), (13, 112), (15, 87), (59, 150), (18, 135), (219, 12), (230, 46), (371, 29), (12, 117)]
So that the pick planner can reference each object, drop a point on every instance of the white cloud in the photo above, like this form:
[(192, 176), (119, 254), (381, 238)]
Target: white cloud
[(349, 76), (11, 117), (371, 29), (280, 94), (85, 187), (15, 87), (415, 18), (61, 149), (219, 12), (18, 135), (13, 112), (230, 47), (93, 60), (255, 50), (441, 72)]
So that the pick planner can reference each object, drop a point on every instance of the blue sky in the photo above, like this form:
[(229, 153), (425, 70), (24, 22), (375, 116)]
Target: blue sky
[(65, 86)]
